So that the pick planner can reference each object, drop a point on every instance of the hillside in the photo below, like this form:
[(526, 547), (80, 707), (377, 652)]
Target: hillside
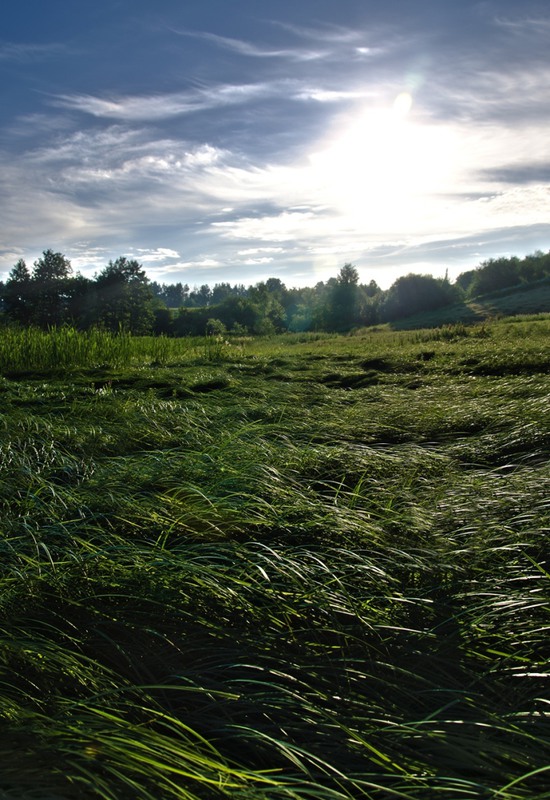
[(528, 299)]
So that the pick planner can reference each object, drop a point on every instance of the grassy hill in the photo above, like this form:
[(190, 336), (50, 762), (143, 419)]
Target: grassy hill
[(528, 299), (312, 566)]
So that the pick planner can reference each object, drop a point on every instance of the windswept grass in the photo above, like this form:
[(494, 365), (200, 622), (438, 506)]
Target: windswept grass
[(308, 567), (27, 350)]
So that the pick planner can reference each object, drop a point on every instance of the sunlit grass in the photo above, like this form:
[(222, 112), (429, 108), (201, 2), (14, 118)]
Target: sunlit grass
[(257, 573)]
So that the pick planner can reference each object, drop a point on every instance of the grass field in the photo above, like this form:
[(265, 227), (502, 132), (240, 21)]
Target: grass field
[(310, 566)]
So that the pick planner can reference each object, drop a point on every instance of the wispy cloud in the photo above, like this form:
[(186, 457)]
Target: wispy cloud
[(157, 254), (282, 227), (510, 97), (254, 251), (87, 257), (132, 108), (92, 185), (245, 48), (336, 34), (326, 95), (526, 26), (30, 52), (278, 148), (137, 108)]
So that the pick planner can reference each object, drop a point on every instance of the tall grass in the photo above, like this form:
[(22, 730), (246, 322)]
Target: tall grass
[(31, 349), (223, 575)]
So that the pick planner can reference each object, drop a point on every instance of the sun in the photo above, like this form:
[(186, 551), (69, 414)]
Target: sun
[(382, 158)]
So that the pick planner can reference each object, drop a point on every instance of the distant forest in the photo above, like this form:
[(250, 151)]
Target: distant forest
[(121, 297)]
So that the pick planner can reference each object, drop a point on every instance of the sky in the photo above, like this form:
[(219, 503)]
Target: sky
[(235, 140)]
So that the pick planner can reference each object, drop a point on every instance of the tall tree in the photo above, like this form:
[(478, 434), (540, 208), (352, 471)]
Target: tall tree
[(51, 267), (343, 311), (124, 299), (17, 294), (200, 297), (50, 289)]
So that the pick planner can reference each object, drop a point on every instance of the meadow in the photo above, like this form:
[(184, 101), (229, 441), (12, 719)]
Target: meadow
[(306, 566)]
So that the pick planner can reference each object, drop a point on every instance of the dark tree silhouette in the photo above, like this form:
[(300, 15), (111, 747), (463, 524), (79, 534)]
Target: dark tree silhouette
[(17, 294), (413, 294), (51, 289), (343, 302)]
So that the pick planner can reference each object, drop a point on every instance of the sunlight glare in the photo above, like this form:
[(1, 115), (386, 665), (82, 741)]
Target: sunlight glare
[(382, 162), (402, 104)]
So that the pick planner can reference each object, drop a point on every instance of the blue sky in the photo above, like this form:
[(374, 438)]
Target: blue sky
[(233, 141)]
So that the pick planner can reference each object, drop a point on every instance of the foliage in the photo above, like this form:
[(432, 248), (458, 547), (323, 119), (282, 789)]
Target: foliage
[(412, 294), (51, 296), (122, 297), (215, 327), (17, 293), (172, 295), (343, 306), (44, 297), (502, 273), (343, 303)]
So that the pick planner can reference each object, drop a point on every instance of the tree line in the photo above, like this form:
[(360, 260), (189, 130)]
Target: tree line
[(121, 297)]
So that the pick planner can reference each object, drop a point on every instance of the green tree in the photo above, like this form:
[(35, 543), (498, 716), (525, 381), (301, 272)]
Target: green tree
[(413, 294), (17, 294), (51, 267), (343, 302), (163, 324), (80, 301), (201, 297), (465, 281), (190, 321), (215, 327), (266, 298), (220, 292), (371, 289), (239, 311), (124, 300), (534, 267), (51, 289), (495, 274), (173, 295)]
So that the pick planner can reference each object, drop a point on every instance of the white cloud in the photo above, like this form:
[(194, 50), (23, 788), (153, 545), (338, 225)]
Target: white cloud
[(253, 50), (85, 256), (135, 108), (203, 263), (156, 254), (368, 180), (120, 160), (332, 95), (322, 33), (506, 98), (282, 227), (204, 155), (252, 251)]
